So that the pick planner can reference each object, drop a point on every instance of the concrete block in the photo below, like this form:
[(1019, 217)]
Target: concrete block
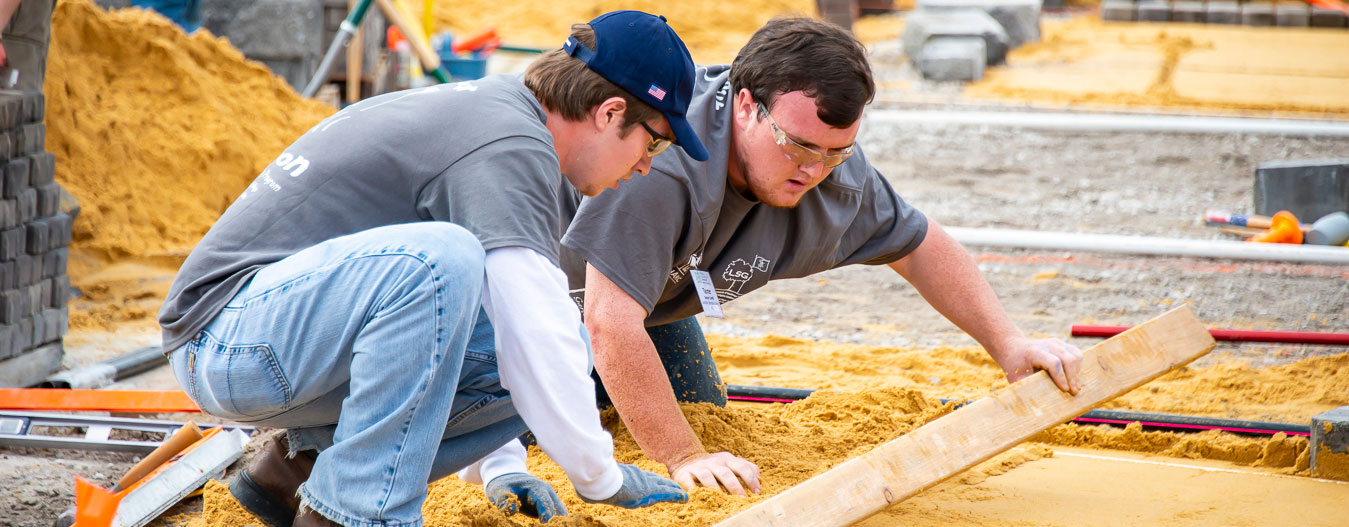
[(7, 345), (1257, 14), (62, 230), (922, 26), (38, 236), (28, 205), (41, 169), (60, 291), (1154, 11), (52, 319), (37, 302), (32, 137), (953, 59), (1118, 11), (1322, 17), (271, 30), (1289, 14), (8, 277), (13, 306), (9, 212), (13, 242), (1330, 444), (1309, 189), (48, 200), (29, 269), (15, 178), (1187, 11), (1020, 18)]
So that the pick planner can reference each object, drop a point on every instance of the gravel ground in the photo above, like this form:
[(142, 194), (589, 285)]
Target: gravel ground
[(1116, 183)]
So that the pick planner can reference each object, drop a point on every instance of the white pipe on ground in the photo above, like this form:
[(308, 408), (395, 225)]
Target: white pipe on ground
[(1072, 241), (1112, 123)]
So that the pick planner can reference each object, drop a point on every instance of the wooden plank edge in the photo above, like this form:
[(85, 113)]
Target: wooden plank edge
[(860, 487)]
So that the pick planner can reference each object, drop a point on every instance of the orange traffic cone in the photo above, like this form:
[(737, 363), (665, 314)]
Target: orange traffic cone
[(1283, 228)]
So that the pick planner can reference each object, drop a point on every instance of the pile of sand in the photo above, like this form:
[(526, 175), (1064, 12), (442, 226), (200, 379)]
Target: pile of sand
[(157, 132), (713, 31)]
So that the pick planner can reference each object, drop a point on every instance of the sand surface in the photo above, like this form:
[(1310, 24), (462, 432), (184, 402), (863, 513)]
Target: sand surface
[(1177, 67)]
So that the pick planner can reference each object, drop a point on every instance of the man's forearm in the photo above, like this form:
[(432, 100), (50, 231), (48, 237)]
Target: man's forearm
[(633, 375), (949, 280)]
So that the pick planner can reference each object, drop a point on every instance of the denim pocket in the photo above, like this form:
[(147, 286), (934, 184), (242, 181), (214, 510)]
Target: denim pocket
[(240, 382)]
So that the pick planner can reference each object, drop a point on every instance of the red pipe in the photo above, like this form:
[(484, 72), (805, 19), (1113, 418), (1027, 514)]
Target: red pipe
[(1236, 335)]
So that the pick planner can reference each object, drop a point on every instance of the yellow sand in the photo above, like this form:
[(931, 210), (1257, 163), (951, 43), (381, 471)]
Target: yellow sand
[(1179, 66), (713, 31), (1290, 393), (156, 132)]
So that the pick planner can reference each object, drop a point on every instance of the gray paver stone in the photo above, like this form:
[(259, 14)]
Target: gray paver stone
[(953, 59), (1020, 18), (922, 26), (1154, 11), (1288, 14), (1223, 13), (1118, 11), (1257, 14), (1187, 11)]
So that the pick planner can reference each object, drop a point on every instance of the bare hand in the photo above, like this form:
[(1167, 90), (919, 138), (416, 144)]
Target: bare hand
[(1059, 359), (721, 469)]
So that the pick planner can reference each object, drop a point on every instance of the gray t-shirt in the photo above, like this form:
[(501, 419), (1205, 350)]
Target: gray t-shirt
[(476, 154), (646, 235)]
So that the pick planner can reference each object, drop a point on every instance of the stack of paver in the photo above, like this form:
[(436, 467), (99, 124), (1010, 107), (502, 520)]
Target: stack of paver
[(955, 40), (1254, 13), (34, 234)]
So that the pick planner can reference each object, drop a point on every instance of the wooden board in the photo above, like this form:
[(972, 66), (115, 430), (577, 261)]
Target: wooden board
[(980, 430)]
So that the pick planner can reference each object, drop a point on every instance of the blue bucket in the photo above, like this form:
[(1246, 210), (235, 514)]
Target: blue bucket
[(461, 69)]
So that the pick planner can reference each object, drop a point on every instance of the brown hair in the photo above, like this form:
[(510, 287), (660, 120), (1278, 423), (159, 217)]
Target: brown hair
[(802, 54), (565, 85)]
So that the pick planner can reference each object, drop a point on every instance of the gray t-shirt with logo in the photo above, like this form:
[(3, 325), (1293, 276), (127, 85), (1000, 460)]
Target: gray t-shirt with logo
[(646, 235), (476, 154)]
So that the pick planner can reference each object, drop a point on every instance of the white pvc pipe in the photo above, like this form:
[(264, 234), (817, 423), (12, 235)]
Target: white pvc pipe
[(1072, 241), (1112, 123)]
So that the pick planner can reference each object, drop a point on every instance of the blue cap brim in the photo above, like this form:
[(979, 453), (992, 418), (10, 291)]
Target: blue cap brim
[(686, 138)]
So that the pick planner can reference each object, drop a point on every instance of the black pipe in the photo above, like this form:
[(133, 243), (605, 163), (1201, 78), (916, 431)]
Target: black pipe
[(101, 374), (1169, 422)]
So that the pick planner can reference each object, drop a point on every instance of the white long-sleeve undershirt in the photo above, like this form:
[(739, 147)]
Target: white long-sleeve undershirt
[(545, 362)]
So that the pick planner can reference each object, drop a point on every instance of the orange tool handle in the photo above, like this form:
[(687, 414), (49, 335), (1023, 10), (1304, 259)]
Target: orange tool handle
[(479, 40)]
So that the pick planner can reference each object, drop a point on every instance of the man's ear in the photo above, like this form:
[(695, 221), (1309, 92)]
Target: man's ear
[(744, 107), (608, 113)]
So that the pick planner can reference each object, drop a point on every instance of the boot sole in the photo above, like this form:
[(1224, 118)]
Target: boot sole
[(259, 502)]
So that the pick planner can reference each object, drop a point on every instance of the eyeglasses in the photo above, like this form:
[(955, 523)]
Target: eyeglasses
[(802, 154), (658, 142)]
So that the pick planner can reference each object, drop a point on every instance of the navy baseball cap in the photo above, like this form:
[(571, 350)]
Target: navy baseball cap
[(641, 54)]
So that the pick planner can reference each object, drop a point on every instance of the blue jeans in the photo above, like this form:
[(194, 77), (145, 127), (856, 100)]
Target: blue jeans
[(372, 349)]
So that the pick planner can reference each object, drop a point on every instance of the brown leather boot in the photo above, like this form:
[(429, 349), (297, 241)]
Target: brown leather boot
[(268, 486), (307, 517)]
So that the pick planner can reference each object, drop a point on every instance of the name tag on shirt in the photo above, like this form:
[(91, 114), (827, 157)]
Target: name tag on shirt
[(707, 293)]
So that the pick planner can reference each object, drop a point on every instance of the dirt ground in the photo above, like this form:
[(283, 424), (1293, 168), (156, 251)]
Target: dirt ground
[(1114, 183)]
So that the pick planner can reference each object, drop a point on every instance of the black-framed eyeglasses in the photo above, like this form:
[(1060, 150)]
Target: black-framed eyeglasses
[(802, 154), (658, 142)]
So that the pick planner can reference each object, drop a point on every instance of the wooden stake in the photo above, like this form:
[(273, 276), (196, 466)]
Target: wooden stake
[(976, 432), (355, 56)]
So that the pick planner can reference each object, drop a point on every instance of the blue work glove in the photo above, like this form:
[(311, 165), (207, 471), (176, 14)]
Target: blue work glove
[(641, 488), (533, 497)]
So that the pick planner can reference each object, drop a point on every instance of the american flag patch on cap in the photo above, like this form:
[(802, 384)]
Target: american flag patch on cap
[(656, 92)]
